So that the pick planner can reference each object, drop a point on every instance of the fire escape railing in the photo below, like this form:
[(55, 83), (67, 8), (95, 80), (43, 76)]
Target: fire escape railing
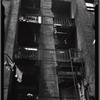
[(30, 11), (48, 54), (62, 55), (64, 22), (52, 55), (21, 53), (76, 55)]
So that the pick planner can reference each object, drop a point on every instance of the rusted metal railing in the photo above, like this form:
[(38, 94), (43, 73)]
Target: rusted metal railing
[(21, 53), (62, 55), (76, 55), (59, 55)]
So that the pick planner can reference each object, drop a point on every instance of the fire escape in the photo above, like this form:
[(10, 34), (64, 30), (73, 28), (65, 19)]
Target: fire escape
[(27, 55), (70, 63)]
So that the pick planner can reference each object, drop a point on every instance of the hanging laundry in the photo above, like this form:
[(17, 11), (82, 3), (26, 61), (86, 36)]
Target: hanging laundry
[(8, 62), (19, 74), (65, 41), (81, 91)]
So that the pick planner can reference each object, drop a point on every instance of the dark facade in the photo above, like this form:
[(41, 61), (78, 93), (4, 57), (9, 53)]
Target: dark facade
[(51, 42)]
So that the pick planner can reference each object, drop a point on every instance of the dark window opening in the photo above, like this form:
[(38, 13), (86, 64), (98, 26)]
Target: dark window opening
[(68, 39), (61, 8), (30, 6), (27, 34), (67, 90)]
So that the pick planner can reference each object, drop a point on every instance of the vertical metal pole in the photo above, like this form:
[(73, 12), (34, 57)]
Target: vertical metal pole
[(73, 75)]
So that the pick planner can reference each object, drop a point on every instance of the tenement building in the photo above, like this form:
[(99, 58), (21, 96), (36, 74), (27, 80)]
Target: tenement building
[(49, 50)]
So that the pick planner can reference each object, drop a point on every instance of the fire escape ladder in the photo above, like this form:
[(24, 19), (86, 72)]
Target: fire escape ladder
[(77, 57), (74, 75)]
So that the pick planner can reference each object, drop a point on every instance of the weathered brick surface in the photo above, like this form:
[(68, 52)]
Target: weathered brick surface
[(47, 13), (48, 81), (47, 20), (10, 27), (85, 37), (46, 5), (46, 28), (46, 8)]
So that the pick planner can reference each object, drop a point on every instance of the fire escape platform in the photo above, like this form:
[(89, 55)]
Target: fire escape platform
[(68, 73)]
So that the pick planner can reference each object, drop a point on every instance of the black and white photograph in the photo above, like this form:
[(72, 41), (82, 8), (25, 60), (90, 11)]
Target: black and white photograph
[(50, 50)]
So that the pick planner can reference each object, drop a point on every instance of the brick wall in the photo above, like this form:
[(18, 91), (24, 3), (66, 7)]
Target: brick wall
[(85, 37), (11, 12), (48, 78)]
